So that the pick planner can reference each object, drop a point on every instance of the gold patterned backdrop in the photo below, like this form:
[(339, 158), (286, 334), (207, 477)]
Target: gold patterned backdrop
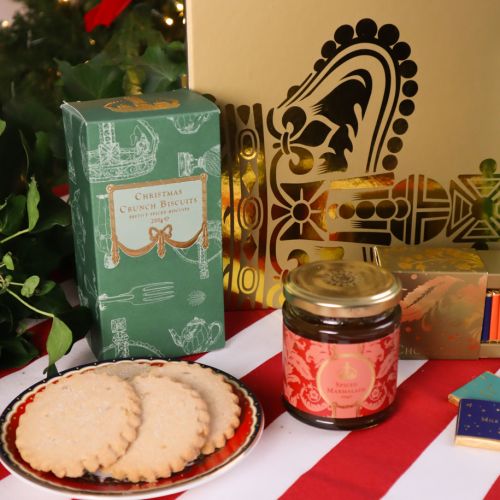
[(319, 175)]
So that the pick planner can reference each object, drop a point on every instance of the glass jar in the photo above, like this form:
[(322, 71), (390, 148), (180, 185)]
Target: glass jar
[(340, 343)]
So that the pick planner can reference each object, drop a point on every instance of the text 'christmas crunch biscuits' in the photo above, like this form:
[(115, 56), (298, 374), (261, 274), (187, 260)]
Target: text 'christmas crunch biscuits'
[(145, 194)]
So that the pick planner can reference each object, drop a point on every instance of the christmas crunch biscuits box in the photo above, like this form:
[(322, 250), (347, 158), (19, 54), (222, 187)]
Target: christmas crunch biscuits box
[(145, 197), (348, 124)]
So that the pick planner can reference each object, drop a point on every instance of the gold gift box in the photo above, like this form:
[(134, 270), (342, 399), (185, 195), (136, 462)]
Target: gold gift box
[(347, 125), (444, 292)]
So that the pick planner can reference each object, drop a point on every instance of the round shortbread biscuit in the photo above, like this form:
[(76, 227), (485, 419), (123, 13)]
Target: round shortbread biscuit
[(221, 401), (78, 424), (175, 423), (125, 369)]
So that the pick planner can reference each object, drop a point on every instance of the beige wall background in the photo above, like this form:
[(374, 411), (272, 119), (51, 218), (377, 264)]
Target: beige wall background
[(7, 9)]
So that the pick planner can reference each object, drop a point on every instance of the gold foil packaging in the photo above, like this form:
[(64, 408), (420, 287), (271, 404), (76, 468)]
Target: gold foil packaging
[(443, 304), (348, 125)]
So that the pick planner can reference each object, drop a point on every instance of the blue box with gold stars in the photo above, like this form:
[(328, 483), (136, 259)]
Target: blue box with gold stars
[(478, 424)]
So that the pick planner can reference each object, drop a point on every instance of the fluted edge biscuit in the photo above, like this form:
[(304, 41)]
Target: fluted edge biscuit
[(221, 400), (78, 424), (175, 423)]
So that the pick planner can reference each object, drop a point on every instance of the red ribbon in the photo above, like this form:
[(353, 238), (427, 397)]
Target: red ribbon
[(104, 13)]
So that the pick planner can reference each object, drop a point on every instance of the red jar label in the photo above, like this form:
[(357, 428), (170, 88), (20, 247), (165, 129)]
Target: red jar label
[(340, 380)]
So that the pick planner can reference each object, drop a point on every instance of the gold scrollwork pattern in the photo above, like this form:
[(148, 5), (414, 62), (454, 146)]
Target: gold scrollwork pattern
[(316, 175)]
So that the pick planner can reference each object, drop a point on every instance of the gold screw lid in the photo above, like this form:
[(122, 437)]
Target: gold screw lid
[(342, 289)]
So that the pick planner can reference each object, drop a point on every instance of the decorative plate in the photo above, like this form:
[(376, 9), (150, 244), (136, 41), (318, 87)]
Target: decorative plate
[(204, 469)]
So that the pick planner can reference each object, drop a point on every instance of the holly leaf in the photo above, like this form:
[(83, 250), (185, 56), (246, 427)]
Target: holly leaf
[(47, 151), (2, 126), (29, 286), (53, 301), (41, 155), (41, 253), (58, 146), (95, 79), (28, 112), (160, 69), (32, 201), (176, 51), (12, 214), (13, 165), (133, 32), (15, 352), (53, 212), (58, 341)]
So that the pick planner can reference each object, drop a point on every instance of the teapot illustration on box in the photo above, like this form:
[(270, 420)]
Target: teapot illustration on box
[(197, 335)]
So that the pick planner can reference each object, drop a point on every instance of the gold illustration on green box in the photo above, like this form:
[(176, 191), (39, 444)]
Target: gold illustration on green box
[(145, 195), (162, 213)]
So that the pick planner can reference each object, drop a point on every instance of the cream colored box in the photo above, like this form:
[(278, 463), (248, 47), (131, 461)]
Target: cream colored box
[(347, 125)]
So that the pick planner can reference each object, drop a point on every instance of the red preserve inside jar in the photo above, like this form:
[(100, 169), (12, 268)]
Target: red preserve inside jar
[(340, 344)]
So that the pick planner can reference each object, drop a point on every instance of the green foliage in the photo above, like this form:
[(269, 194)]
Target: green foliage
[(24, 295), (32, 201), (30, 285), (16, 351), (59, 340), (12, 214), (8, 262), (47, 58), (136, 59), (95, 79), (161, 66)]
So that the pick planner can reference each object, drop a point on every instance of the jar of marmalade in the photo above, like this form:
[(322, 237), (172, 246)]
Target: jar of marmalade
[(340, 343)]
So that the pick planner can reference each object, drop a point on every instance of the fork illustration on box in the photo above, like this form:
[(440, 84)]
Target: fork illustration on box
[(140, 295)]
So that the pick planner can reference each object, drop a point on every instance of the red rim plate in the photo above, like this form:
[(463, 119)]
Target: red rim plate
[(202, 470)]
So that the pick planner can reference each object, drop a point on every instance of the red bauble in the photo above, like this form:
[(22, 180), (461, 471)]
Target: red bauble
[(104, 13)]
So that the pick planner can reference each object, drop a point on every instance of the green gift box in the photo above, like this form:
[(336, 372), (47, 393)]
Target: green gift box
[(145, 197)]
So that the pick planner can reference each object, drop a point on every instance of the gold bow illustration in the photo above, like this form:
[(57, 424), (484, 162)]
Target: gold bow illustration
[(160, 237)]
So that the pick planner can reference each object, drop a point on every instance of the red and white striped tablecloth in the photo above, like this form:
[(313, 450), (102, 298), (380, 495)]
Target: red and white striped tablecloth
[(410, 456)]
